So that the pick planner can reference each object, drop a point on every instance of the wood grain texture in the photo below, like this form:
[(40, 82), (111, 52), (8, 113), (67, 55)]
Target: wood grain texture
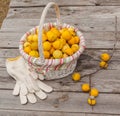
[(63, 101), (28, 3), (38, 113), (42, 113), (109, 103), (71, 11), (84, 24)]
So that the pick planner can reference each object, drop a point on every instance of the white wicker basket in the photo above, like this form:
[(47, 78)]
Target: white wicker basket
[(51, 68)]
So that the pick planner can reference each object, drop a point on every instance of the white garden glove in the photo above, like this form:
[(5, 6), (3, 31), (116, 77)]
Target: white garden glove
[(27, 84)]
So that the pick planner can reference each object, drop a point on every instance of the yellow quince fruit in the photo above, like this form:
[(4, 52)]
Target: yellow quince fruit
[(69, 51), (46, 54), (76, 76), (57, 54), (65, 47), (55, 31), (94, 92), (57, 44), (75, 47), (51, 36), (91, 101), (34, 53), (66, 35), (103, 64), (34, 45), (30, 38), (105, 57), (85, 87), (27, 49), (46, 46), (35, 38)]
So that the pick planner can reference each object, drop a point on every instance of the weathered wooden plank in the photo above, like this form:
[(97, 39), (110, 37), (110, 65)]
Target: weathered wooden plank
[(86, 11), (23, 3), (28, 3), (103, 40), (64, 101), (107, 80), (43, 113), (108, 2), (38, 113), (84, 24), (108, 103), (57, 101), (118, 26)]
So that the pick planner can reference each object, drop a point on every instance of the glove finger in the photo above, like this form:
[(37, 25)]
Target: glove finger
[(32, 83), (16, 90), (31, 97), (30, 89), (41, 94), (23, 99), (44, 87), (23, 89), (41, 77)]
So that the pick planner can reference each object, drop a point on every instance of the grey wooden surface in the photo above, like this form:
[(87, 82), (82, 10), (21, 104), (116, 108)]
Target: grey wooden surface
[(96, 19)]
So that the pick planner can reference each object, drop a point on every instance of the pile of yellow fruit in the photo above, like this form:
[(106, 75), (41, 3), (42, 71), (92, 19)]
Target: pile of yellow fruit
[(56, 43)]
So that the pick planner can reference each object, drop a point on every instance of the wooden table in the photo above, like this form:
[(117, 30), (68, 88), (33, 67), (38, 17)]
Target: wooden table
[(99, 20)]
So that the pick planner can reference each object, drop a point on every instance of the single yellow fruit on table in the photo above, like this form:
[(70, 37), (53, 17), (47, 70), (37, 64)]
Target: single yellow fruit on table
[(30, 38), (85, 87), (66, 35), (27, 49), (76, 76), (46, 54), (46, 46), (91, 102), (57, 54), (75, 47), (34, 45), (35, 38), (103, 64), (57, 44), (94, 92), (69, 51), (34, 53), (105, 57), (51, 36)]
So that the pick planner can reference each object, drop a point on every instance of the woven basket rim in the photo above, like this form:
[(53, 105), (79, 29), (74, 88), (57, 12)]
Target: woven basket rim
[(54, 61)]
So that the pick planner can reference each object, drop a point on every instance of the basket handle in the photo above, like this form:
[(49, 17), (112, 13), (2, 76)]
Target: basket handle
[(40, 47)]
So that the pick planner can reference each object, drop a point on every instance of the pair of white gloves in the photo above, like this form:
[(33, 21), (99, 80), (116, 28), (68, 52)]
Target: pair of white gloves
[(27, 86)]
